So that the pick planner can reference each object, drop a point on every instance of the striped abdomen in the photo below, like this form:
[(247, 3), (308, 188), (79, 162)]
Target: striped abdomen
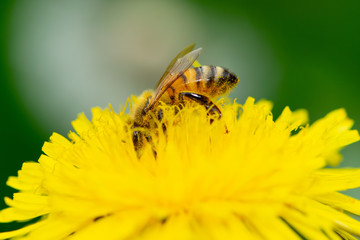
[(211, 81)]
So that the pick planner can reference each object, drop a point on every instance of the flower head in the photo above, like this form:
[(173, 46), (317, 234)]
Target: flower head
[(244, 176)]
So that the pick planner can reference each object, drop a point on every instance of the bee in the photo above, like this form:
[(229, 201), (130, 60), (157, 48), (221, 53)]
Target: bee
[(180, 85)]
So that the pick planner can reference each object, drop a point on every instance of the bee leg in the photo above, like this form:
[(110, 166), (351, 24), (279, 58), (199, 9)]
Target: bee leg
[(160, 117), (203, 100), (137, 139), (149, 140)]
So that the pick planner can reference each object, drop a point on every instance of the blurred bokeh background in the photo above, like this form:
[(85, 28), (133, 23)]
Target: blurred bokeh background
[(60, 58)]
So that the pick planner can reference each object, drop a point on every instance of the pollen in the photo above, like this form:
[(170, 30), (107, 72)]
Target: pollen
[(243, 176)]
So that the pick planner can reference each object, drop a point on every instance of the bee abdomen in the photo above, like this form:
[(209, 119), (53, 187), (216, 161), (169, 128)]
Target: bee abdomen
[(215, 80)]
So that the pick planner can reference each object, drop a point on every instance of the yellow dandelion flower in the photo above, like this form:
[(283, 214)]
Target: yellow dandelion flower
[(245, 176)]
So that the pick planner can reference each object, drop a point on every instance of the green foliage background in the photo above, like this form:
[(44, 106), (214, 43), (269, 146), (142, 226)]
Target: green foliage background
[(315, 42)]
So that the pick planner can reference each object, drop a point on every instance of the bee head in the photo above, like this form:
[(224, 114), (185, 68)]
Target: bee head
[(140, 109)]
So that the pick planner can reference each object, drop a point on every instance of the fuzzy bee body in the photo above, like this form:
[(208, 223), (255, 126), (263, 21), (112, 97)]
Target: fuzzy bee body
[(180, 85)]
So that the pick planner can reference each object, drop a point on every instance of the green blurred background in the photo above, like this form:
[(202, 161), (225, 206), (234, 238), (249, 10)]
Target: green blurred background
[(60, 58)]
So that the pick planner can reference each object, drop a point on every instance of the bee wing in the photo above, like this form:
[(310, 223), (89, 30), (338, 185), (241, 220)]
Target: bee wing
[(180, 66), (179, 55)]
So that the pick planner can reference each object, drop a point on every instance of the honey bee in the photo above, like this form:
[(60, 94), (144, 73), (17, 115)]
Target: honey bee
[(180, 85)]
